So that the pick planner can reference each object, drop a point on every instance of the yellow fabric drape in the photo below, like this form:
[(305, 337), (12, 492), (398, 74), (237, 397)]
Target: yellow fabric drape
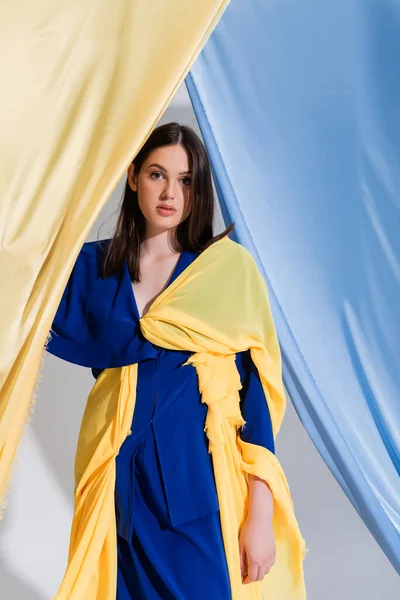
[(82, 85), (216, 307)]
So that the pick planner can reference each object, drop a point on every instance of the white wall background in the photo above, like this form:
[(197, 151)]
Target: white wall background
[(344, 562)]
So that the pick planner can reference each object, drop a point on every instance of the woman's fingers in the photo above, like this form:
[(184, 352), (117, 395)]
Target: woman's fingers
[(256, 570), (262, 571), (243, 562), (252, 571)]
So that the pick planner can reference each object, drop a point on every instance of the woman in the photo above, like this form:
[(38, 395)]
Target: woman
[(169, 538)]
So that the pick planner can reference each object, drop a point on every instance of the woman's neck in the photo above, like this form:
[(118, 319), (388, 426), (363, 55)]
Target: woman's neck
[(160, 244)]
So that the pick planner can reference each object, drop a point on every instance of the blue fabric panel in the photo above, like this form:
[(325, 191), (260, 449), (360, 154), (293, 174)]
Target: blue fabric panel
[(298, 106), (161, 561)]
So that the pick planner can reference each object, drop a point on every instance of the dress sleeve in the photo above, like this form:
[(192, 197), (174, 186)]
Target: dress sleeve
[(253, 405), (71, 338), (95, 324)]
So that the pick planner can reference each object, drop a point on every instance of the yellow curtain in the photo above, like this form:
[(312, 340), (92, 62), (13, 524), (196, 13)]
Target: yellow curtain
[(83, 84), (185, 317)]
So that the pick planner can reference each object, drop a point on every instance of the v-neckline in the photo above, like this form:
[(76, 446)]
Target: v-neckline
[(136, 309)]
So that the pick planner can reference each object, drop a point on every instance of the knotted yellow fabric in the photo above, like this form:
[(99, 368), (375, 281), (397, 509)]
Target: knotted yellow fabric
[(218, 306)]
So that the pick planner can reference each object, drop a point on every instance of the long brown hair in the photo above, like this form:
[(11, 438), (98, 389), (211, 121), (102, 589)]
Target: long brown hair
[(194, 234)]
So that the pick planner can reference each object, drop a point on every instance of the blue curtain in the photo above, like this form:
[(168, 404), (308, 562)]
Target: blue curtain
[(298, 103)]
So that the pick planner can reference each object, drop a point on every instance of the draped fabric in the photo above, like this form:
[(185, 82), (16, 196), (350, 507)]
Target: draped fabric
[(298, 106), (83, 84), (185, 317)]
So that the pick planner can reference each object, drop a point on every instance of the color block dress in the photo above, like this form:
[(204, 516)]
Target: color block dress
[(169, 537)]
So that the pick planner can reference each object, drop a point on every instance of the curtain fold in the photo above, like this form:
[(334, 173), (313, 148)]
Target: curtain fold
[(297, 104), (82, 86)]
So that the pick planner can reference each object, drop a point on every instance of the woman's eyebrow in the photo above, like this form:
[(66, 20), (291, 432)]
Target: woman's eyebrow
[(165, 170)]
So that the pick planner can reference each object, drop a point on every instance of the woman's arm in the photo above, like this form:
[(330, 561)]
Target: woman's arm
[(256, 540)]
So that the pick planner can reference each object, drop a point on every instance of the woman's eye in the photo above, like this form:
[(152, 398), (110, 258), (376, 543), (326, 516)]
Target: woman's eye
[(186, 181), (155, 173)]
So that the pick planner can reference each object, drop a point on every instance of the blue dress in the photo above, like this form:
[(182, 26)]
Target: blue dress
[(169, 536)]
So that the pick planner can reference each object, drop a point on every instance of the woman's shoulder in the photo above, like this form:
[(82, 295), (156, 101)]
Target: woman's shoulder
[(95, 248), (89, 259), (233, 253)]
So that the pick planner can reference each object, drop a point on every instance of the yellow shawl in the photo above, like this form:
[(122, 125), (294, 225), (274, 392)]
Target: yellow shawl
[(216, 307)]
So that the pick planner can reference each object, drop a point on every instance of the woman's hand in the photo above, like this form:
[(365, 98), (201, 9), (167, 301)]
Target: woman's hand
[(256, 540)]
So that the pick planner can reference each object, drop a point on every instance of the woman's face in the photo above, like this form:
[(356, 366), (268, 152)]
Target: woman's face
[(163, 186)]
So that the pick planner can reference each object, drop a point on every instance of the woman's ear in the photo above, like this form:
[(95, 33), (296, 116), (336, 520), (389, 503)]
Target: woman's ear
[(132, 178)]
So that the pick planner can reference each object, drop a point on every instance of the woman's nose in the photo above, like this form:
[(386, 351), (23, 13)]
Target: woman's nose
[(169, 191)]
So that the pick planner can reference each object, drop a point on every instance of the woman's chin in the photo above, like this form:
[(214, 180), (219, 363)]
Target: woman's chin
[(159, 224)]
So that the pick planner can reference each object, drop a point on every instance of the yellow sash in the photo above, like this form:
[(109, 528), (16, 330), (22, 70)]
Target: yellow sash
[(216, 307)]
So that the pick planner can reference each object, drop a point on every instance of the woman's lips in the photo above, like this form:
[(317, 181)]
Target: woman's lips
[(165, 212)]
